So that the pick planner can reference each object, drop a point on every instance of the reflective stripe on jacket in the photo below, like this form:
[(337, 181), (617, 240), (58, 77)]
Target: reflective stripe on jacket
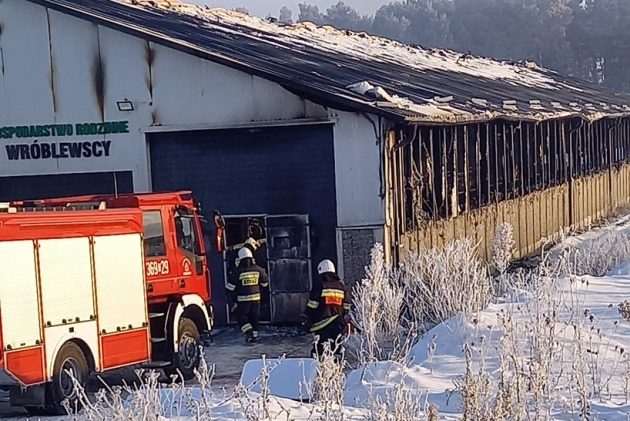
[(324, 323), (246, 284)]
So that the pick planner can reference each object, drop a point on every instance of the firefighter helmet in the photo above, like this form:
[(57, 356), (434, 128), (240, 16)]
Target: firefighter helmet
[(245, 253), (325, 266)]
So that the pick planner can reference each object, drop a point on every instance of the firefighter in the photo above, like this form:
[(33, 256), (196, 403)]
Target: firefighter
[(244, 291), (327, 308)]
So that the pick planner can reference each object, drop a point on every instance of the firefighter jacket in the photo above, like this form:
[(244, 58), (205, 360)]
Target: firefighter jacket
[(328, 302), (246, 284)]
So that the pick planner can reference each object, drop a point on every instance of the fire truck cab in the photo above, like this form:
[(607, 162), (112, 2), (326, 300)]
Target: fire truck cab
[(104, 282)]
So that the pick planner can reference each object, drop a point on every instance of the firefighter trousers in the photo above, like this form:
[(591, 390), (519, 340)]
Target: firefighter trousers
[(248, 315), (328, 334)]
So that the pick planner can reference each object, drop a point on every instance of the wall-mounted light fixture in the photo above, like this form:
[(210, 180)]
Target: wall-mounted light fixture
[(125, 105)]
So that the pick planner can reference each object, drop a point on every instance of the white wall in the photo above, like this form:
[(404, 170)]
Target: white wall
[(48, 75), (357, 163)]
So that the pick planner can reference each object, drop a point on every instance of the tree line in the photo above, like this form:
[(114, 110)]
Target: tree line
[(588, 39)]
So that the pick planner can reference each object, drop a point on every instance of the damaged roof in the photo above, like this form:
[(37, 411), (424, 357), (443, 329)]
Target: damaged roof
[(357, 71)]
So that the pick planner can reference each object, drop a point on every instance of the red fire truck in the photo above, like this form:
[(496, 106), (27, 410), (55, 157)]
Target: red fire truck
[(94, 283)]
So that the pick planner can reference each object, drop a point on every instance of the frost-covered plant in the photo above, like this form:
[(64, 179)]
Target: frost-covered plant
[(330, 382), (391, 305), (502, 251), (147, 399), (257, 406), (624, 309), (400, 404), (525, 352), (598, 256), (432, 413), (378, 305), (503, 247), (476, 391), (441, 283)]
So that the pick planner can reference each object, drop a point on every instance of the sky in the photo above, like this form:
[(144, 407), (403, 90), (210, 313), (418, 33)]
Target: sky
[(264, 8)]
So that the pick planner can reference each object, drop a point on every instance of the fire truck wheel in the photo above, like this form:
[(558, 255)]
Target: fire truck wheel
[(186, 360), (70, 359)]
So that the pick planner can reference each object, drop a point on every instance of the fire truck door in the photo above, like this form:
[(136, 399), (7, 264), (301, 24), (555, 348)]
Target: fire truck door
[(191, 262), (173, 263), (160, 266), (289, 265)]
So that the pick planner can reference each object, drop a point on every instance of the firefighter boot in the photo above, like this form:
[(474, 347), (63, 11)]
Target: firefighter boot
[(255, 337)]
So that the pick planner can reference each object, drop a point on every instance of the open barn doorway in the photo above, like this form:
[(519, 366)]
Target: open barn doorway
[(284, 251)]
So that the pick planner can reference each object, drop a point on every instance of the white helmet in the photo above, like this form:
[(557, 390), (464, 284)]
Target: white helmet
[(245, 253), (325, 266)]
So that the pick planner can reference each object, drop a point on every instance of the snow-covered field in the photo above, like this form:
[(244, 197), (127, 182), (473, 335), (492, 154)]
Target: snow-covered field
[(551, 344), (552, 352)]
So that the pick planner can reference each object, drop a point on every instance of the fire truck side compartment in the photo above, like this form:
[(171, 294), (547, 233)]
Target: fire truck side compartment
[(71, 276)]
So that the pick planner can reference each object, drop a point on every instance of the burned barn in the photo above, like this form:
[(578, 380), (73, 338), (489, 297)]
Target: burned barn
[(542, 173), (320, 141)]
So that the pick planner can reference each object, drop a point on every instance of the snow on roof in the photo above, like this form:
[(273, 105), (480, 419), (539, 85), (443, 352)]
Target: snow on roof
[(356, 70)]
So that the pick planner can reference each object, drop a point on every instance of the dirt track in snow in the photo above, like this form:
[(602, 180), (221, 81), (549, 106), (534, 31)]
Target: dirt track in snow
[(228, 352)]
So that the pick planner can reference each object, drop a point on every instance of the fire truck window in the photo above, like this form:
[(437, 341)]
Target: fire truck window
[(185, 234), (153, 235)]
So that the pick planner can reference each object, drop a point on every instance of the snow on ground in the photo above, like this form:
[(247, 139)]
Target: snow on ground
[(621, 225), (587, 305), (278, 409)]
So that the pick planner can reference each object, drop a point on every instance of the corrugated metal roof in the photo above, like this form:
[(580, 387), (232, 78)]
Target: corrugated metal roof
[(355, 70)]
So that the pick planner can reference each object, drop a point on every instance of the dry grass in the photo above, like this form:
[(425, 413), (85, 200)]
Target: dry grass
[(553, 353)]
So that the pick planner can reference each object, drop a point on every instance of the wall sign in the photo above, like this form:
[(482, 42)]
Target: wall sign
[(81, 148)]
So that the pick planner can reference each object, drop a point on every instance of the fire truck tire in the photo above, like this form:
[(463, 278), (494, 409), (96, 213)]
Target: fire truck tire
[(187, 359), (69, 358)]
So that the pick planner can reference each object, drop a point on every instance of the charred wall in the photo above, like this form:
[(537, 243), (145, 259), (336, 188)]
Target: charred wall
[(462, 181)]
